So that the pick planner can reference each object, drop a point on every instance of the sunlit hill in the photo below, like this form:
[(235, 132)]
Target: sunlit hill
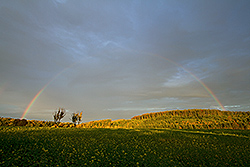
[(175, 119)]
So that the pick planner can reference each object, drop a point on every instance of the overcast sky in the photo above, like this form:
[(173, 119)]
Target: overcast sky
[(116, 59)]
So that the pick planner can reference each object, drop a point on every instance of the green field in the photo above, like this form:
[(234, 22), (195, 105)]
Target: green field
[(44, 146)]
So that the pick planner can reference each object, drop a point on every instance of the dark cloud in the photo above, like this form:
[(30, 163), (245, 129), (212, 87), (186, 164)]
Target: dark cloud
[(116, 59)]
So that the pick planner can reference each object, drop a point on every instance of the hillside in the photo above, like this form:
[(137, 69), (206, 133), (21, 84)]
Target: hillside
[(180, 119), (176, 119)]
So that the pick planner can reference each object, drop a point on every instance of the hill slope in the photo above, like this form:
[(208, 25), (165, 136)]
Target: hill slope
[(180, 119)]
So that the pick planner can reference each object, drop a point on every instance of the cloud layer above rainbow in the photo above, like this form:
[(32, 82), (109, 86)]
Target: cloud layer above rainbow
[(200, 58)]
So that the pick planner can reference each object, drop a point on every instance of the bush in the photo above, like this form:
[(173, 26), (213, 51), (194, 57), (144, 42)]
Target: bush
[(20, 122)]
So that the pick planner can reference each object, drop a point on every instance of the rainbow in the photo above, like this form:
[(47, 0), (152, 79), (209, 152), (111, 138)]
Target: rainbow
[(42, 90), (193, 75), (197, 79), (33, 101)]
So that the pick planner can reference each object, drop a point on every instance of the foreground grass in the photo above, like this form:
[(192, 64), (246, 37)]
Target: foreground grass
[(29, 146)]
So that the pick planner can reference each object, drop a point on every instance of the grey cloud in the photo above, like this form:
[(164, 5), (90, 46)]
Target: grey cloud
[(100, 55)]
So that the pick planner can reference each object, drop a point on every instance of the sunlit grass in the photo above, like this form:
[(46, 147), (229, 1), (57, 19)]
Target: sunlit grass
[(30, 146)]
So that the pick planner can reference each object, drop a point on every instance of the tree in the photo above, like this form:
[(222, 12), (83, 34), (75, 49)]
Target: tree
[(76, 118), (58, 115)]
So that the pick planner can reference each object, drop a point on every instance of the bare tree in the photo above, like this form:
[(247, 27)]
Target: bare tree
[(79, 118), (58, 115), (76, 118)]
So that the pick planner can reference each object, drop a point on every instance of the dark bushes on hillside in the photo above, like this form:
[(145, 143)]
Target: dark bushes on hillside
[(20, 122), (177, 119)]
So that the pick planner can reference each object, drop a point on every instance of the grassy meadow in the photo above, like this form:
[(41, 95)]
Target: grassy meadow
[(46, 146)]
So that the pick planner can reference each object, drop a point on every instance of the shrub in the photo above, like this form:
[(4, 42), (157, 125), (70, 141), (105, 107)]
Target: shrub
[(20, 122)]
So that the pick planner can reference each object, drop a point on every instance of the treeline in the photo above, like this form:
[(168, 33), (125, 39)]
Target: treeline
[(32, 123), (192, 113), (195, 119), (176, 119)]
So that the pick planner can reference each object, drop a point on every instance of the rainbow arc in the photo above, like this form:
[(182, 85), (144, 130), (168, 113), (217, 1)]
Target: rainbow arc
[(42, 90), (210, 92)]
